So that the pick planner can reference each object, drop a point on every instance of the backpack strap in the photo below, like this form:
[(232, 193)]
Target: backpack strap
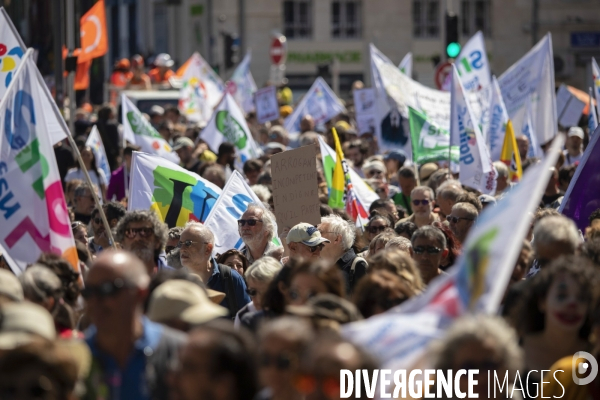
[(229, 289), (353, 268)]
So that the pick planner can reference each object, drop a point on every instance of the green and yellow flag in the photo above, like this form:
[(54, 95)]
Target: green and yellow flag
[(510, 154)]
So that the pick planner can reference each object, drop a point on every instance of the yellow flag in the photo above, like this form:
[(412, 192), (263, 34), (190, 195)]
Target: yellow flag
[(510, 154), (336, 195)]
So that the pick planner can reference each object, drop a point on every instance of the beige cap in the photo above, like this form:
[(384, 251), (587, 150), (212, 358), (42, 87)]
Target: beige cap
[(426, 170), (305, 233), (184, 300), (10, 286), (20, 323)]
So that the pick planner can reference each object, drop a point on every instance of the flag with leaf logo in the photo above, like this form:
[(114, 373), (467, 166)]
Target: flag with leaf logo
[(430, 142)]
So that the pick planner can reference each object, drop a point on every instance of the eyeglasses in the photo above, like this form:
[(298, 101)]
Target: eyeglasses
[(307, 384), (280, 361), (143, 232), (376, 229), (426, 249), (417, 202), (188, 243), (106, 289), (250, 222), (251, 292), (453, 219), (315, 248)]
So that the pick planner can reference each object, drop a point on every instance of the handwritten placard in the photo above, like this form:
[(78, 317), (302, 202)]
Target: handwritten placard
[(295, 194)]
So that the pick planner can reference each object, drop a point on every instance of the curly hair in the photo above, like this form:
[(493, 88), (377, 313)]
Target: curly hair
[(527, 317), (379, 291), (161, 230), (65, 272), (234, 252)]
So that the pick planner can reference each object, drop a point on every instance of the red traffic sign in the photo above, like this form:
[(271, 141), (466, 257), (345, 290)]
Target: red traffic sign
[(441, 73), (277, 50)]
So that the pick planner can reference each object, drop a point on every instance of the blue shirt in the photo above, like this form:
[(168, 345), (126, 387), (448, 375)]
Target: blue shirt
[(129, 383), (239, 286)]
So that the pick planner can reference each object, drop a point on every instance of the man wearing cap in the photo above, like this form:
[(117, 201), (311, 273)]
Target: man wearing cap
[(184, 147), (574, 145), (156, 114), (161, 74), (182, 304), (305, 241), (132, 355)]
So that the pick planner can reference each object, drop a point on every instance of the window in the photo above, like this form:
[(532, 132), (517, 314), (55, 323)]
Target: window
[(346, 19), (297, 19), (475, 16), (426, 18)]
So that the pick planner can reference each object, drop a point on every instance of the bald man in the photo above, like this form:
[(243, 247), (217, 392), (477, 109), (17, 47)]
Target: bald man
[(123, 342)]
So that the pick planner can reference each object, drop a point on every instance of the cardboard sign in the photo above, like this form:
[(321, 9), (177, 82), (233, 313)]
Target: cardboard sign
[(295, 194), (267, 108), (364, 107)]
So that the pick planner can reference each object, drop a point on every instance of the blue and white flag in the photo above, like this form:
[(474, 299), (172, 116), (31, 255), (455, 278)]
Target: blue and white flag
[(495, 129), (476, 169), (592, 116), (406, 64), (528, 130), (472, 64), (95, 142), (242, 85), (230, 206), (319, 102)]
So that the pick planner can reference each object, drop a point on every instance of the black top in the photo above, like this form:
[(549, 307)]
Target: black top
[(345, 264)]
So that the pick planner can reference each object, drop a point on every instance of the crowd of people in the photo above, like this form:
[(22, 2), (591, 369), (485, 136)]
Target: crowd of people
[(153, 313)]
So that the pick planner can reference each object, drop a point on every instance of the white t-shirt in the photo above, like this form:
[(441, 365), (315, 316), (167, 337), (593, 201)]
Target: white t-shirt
[(570, 160), (75, 173)]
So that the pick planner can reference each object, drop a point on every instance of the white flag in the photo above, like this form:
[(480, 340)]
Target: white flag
[(33, 212), (472, 64), (528, 130), (476, 169), (320, 102), (228, 124), (532, 77), (95, 142), (406, 64), (213, 84), (14, 49), (242, 85), (230, 206), (596, 88), (495, 129), (138, 130), (176, 194)]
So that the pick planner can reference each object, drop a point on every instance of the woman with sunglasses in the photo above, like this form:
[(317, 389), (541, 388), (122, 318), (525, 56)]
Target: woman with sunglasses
[(282, 342), (379, 222)]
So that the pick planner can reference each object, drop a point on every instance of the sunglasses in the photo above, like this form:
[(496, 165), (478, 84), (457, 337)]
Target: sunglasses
[(307, 384), (143, 232), (376, 229), (280, 361), (454, 220), (251, 292), (417, 202), (250, 222), (106, 289), (426, 249), (312, 249)]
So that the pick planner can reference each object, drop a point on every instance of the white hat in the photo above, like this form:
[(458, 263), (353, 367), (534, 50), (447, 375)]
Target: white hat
[(184, 300), (575, 131), (10, 286), (163, 60), (20, 323)]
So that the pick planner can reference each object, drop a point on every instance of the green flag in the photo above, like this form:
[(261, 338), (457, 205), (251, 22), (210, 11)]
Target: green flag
[(430, 142)]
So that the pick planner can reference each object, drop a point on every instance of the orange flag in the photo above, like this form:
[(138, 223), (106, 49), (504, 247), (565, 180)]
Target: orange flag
[(94, 37), (82, 75), (183, 68)]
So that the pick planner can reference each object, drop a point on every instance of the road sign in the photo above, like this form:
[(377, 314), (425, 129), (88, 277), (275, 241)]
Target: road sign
[(278, 50), (441, 72)]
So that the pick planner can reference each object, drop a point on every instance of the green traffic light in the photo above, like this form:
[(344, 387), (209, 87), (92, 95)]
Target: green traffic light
[(453, 50)]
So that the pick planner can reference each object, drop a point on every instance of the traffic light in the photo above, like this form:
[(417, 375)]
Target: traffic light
[(232, 47), (452, 44)]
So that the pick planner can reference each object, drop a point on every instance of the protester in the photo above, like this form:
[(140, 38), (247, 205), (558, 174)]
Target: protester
[(422, 207), (114, 212), (257, 230), (161, 74), (574, 151), (523, 146), (139, 79), (378, 223), (407, 181), (252, 168), (282, 342), (67, 275), (399, 243), (386, 204), (196, 245), (394, 160), (379, 291), (305, 242), (503, 184), (428, 251), (227, 155), (405, 229), (553, 236), (216, 363), (461, 220), (377, 244), (446, 196), (83, 204), (341, 235), (96, 174), (182, 304), (145, 235), (235, 259), (552, 192), (184, 147), (452, 244), (79, 232), (258, 277), (121, 339), (70, 191), (307, 279), (400, 264), (119, 179)]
